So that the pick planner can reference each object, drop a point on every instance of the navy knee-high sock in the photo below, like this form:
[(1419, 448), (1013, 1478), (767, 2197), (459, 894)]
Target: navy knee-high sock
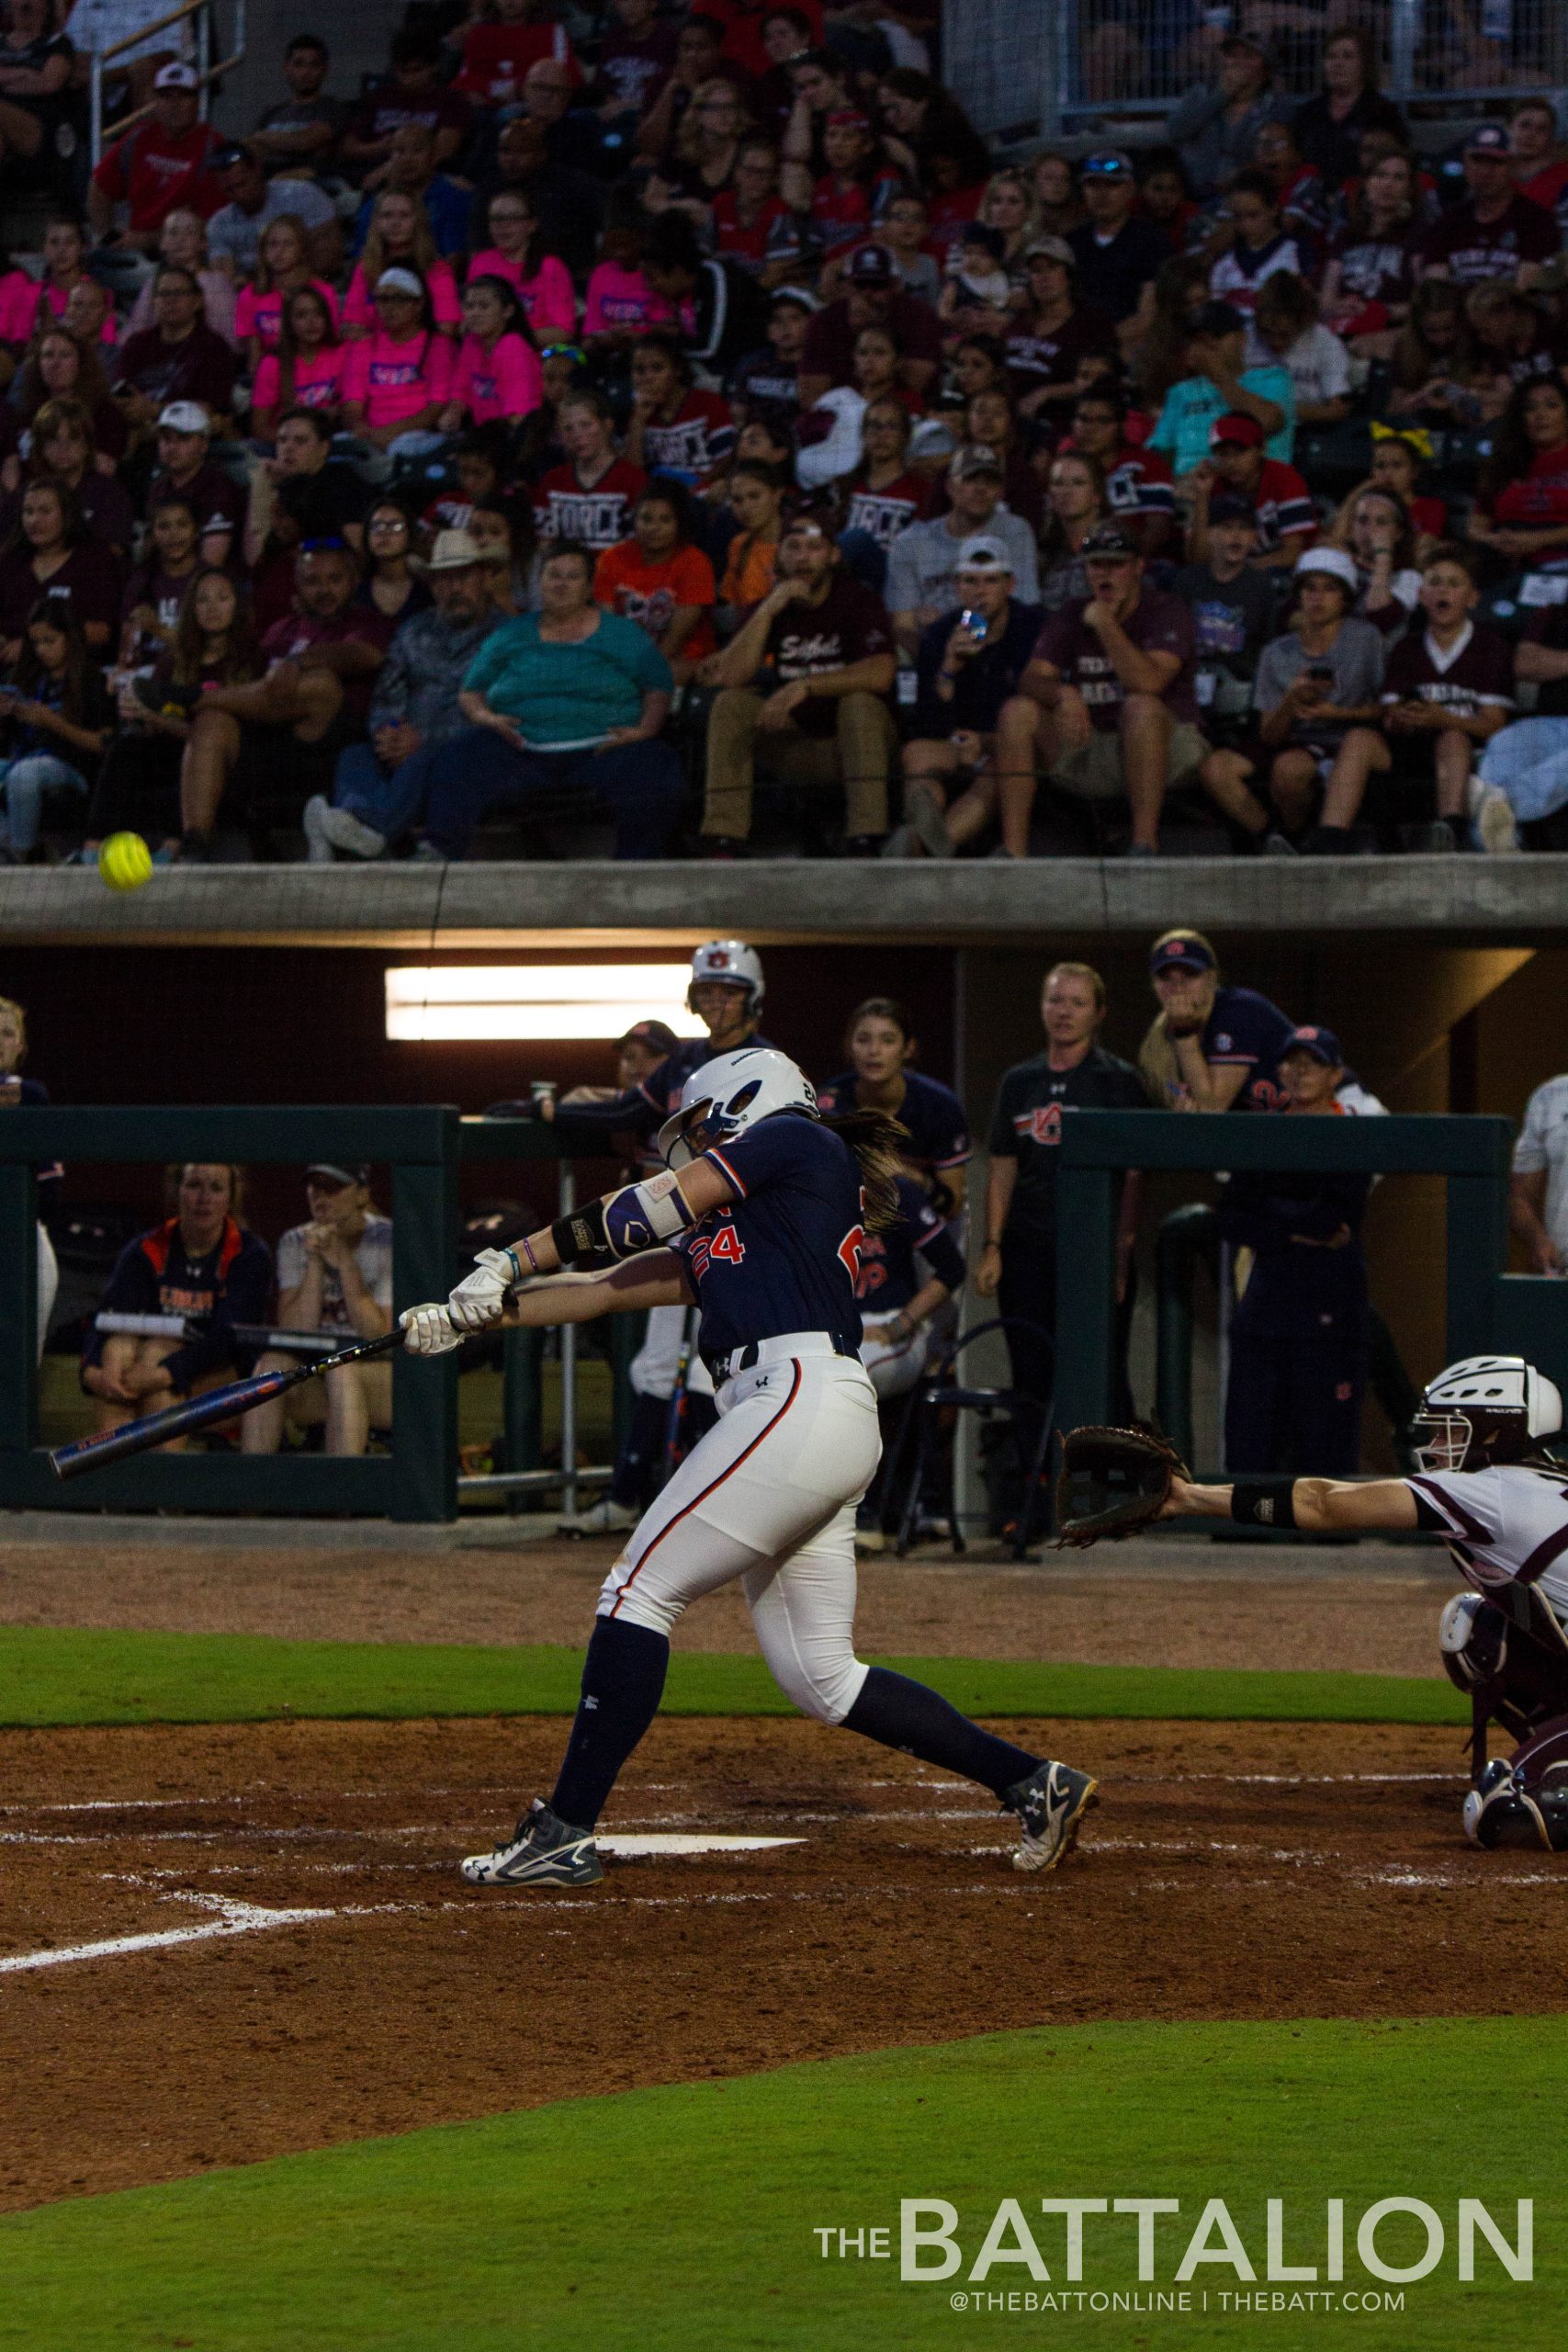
[(623, 1681), (901, 1713)]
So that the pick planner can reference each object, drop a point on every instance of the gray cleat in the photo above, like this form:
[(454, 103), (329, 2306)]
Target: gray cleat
[(543, 1852)]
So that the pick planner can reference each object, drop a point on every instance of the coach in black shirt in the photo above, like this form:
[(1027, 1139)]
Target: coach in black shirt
[(1018, 1267)]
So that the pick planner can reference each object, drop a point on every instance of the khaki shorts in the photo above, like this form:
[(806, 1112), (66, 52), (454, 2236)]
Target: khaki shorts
[(1094, 771)]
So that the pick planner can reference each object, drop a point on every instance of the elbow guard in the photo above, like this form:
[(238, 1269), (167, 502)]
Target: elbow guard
[(638, 1217)]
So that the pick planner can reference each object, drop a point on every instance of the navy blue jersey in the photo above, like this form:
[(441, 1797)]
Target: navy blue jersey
[(786, 1255), (889, 1275), (939, 1132), (643, 1108), (1245, 1031), (1298, 1287), (230, 1283), (1026, 1124)]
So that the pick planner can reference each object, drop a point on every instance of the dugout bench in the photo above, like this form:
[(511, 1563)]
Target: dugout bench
[(424, 1148)]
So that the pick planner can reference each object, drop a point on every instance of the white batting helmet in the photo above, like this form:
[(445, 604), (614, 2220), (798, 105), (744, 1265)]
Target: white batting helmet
[(727, 1095), (1482, 1409), (733, 963)]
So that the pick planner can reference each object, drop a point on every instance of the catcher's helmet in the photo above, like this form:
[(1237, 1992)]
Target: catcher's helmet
[(733, 963), (725, 1097), (1484, 1409)]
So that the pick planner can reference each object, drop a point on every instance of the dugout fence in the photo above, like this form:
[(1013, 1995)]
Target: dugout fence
[(424, 1149)]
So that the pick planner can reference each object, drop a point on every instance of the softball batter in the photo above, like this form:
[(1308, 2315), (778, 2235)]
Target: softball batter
[(758, 1218)]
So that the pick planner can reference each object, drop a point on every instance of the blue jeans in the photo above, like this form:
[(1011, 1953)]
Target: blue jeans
[(642, 784), (23, 784), (1530, 763), (388, 800)]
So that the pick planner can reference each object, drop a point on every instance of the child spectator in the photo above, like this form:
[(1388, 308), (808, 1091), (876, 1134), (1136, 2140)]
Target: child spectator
[(36, 303), (674, 429), (516, 253), (1370, 274), (752, 225), (1048, 334), (390, 588), (967, 666), (399, 378), (308, 368), (1138, 488), (1396, 467), (1375, 529), (497, 370), (766, 382), (1286, 331), (1287, 519), (57, 720), (849, 199), (976, 290), (903, 228), (755, 500), (1260, 246), (155, 592), (1223, 385), (138, 789), (659, 578), (621, 305), (282, 267), (884, 495), (399, 236), (589, 499), (1315, 683), (1446, 690), (1297, 185), (1076, 505)]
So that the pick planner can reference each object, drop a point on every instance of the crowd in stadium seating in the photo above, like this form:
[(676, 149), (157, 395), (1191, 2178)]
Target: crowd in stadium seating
[(674, 433)]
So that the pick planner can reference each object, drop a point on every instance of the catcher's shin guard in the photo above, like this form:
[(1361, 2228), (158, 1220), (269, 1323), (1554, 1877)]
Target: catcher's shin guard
[(1499, 1813)]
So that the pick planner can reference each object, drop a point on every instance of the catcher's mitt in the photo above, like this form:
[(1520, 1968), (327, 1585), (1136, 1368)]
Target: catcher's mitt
[(1113, 1482)]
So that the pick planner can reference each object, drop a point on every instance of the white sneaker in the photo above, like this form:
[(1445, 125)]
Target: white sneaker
[(348, 833), (318, 849), (1492, 825), (606, 1518)]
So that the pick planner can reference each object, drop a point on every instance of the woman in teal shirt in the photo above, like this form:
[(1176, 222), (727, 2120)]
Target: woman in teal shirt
[(568, 697)]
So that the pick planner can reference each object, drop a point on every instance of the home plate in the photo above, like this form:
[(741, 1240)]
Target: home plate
[(685, 1841)]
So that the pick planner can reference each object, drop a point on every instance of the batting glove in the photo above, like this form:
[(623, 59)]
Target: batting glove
[(430, 1331), (481, 1297)]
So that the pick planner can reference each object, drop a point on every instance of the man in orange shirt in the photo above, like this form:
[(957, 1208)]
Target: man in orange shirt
[(659, 580)]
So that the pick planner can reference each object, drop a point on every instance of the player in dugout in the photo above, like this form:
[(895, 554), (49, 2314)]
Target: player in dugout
[(201, 1265)]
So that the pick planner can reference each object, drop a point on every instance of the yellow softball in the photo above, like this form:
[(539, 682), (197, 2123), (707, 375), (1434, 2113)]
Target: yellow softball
[(125, 862)]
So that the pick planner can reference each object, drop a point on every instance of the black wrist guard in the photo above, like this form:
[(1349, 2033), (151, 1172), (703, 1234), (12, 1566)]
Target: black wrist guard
[(581, 1235), (1263, 1502)]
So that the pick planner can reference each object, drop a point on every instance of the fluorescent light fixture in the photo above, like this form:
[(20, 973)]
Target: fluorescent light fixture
[(427, 1004)]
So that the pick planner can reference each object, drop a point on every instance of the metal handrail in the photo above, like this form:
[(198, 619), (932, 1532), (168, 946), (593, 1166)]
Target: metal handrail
[(205, 13)]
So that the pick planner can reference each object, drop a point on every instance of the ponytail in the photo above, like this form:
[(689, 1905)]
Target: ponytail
[(877, 1142)]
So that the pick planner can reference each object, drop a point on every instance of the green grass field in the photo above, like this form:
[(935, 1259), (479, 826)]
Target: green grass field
[(685, 2217), (53, 1675)]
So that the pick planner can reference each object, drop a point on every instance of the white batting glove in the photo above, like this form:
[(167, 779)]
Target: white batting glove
[(481, 1297), (430, 1331)]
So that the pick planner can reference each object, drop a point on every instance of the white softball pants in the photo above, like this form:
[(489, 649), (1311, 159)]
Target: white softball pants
[(769, 1497), (48, 1283)]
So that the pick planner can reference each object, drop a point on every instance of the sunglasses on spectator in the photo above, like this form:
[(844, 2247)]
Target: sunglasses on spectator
[(386, 523)]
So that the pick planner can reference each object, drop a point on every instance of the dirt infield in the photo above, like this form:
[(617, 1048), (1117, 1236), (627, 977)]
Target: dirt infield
[(1233, 1870)]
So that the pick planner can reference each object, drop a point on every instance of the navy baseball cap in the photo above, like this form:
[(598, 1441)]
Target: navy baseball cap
[(1182, 952), (1321, 1044), (655, 1034), (1488, 139), (359, 1174)]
